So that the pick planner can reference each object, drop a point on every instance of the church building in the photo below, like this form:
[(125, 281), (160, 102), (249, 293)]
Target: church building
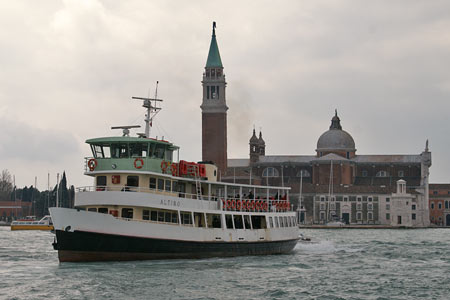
[(335, 184)]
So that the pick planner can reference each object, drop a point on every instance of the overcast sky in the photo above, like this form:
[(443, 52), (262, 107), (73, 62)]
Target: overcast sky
[(68, 70)]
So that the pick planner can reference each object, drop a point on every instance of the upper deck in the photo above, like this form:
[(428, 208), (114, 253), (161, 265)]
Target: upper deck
[(128, 153)]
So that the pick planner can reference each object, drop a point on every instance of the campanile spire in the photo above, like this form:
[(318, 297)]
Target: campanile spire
[(214, 108)]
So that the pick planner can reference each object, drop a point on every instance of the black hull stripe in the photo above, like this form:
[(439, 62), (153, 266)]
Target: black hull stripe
[(81, 246)]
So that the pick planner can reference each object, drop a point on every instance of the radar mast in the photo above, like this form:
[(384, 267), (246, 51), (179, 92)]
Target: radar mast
[(152, 109)]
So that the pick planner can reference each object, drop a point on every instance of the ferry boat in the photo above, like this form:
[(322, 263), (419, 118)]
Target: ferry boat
[(31, 224), (145, 204)]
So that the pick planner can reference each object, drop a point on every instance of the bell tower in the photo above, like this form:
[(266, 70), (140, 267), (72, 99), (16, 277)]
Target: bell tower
[(214, 108)]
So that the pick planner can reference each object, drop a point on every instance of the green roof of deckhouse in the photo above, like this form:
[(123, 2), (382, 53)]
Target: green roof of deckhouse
[(214, 60)]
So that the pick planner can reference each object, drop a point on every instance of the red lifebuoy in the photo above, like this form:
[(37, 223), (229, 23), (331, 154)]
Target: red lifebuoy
[(173, 169), (238, 205), (265, 206), (233, 204), (224, 204), (92, 164), (164, 165), (252, 205), (229, 204), (141, 163)]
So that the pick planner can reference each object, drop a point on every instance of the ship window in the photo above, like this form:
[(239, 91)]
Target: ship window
[(145, 214), (175, 217), (247, 222), (214, 221), (199, 219), (168, 185), (127, 213), (276, 222), (133, 181), (119, 151), (289, 221), (259, 222), (271, 222), (153, 183), (101, 183), (159, 151), (160, 216), (103, 210), (167, 217), (160, 184), (186, 218), (229, 221), (281, 222), (138, 149), (238, 222), (154, 215), (93, 209), (169, 155)]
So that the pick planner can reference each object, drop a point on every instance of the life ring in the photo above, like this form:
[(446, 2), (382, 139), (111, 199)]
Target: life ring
[(164, 165), (258, 205), (141, 163), (265, 206), (238, 205), (229, 204), (173, 169), (92, 164), (224, 204), (244, 205), (251, 205), (233, 204)]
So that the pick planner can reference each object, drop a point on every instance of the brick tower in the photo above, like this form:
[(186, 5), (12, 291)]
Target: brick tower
[(214, 109)]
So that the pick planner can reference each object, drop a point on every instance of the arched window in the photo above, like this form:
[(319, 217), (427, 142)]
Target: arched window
[(382, 174), (270, 172), (303, 173)]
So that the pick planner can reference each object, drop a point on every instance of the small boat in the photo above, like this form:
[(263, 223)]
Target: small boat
[(29, 224)]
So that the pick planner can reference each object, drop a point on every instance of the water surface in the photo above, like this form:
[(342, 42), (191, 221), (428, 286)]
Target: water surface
[(341, 264)]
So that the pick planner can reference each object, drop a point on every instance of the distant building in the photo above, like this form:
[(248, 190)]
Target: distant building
[(10, 210), (440, 204), (335, 183), (338, 184)]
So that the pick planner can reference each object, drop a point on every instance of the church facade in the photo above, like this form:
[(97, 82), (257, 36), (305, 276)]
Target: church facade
[(338, 185), (335, 184)]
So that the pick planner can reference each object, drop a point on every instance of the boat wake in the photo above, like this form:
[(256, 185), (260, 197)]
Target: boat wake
[(324, 247)]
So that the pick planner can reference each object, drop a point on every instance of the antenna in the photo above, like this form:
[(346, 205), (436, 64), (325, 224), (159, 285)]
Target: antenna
[(126, 129), (152, 109)]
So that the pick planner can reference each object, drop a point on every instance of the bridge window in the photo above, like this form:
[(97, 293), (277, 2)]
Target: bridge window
[(186, 218), (270, 172), (160, 184), (119, 151), (145, 214), (138, 149), (103, 210)]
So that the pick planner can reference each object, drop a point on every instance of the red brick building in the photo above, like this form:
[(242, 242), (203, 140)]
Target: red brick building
[(439, 204), (14, 209)]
